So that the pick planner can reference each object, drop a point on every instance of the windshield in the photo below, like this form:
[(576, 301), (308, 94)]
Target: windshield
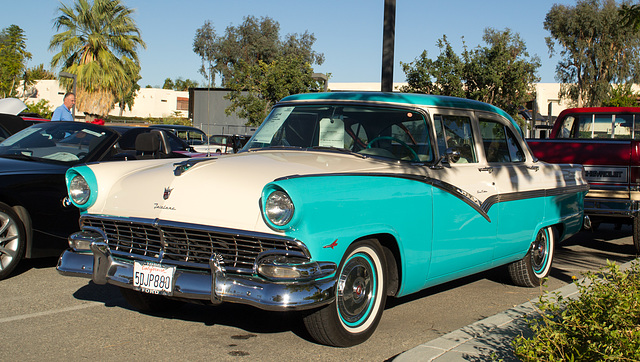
[(398, 134), (59, 142)]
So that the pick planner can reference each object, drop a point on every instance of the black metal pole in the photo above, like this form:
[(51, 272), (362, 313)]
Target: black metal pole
[(388, 44)]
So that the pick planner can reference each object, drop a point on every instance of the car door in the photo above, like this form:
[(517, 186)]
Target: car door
[(519, 208), (463, 232)]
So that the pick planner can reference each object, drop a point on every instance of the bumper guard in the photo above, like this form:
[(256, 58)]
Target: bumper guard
[(214, 285)]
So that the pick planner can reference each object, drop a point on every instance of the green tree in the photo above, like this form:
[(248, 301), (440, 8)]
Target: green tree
[(442, 76), (168, 84), (248, 58), (125, 92), (41, 108), (621, 96), (500, 73), (184, 84), (13, 59), (259, 86), (98, 42), (39, 72), (206, 45), (597, 49)]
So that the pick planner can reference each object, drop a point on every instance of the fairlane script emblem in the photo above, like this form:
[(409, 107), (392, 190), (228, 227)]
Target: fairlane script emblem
[(167, 193)]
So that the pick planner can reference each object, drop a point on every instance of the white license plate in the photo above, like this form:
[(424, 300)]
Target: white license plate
[(153, 278)]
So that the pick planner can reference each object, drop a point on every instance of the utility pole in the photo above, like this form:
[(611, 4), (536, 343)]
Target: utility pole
[(388, 44)]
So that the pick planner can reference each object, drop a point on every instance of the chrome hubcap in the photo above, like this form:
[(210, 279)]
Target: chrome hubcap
[(539, 251), (8, 240), (355, 290)]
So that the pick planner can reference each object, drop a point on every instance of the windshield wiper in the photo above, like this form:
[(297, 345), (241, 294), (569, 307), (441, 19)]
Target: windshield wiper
[(280, 147), (19, 156)]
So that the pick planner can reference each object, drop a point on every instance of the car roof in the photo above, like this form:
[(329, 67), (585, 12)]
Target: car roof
[(601, 110), (406, 99)]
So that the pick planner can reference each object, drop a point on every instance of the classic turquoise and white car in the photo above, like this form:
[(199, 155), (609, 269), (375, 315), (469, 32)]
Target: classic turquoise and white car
[(338, 201)]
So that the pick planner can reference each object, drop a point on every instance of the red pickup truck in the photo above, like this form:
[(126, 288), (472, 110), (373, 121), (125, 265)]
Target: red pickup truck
[(606, 141)]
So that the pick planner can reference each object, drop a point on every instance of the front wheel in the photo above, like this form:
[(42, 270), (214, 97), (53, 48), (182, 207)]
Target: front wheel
[(536, 265), (360, 298), (12, 240)]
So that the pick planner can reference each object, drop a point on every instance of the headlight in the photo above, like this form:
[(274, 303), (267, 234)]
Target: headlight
[(79, 190), (279, 208)]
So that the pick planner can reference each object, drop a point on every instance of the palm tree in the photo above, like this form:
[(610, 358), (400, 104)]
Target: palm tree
[(97, 42)]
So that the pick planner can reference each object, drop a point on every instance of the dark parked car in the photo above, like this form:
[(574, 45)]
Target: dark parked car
[(193, 136), (228, 143), (35, 220)]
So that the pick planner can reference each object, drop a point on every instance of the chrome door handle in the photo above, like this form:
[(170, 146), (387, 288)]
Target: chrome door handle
[(487, 169)]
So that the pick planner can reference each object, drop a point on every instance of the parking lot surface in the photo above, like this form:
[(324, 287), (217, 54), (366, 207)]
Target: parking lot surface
[(46, 316)]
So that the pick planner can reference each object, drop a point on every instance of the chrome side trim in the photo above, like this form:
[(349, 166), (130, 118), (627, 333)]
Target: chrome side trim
[(481, 207)]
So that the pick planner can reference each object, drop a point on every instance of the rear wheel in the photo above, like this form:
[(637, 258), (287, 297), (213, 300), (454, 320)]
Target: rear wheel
[(536, 265), (360, 298), (148, 303), (12, 240)]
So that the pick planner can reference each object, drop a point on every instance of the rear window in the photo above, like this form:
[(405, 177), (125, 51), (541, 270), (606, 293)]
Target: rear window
[(600, 126)]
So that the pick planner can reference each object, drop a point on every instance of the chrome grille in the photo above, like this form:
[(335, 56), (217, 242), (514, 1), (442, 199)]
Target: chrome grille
[(187, 245)]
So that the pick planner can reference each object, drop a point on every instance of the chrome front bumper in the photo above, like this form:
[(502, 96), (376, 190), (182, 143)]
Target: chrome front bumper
[(212, 285)]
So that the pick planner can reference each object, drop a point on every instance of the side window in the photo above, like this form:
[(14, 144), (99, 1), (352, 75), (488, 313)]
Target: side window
[(455, 132), (500, 144), (623, 126), (602, 126), (567, 127)]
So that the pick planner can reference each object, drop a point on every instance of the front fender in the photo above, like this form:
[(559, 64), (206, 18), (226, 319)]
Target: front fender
[(333, 211)]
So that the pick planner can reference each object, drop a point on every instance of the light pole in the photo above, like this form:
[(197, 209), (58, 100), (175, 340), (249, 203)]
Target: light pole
[(74, 77), (388, 43)]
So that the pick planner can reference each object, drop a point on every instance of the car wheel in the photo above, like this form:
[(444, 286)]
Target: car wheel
[(636, 233), (148, 303), (12, 240), (536, 265), (360, 298)]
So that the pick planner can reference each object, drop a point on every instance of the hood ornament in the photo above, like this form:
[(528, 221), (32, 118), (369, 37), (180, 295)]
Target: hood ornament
[(167, 193)]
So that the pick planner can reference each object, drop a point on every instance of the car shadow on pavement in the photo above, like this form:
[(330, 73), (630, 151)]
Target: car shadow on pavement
[(37, 263), (244, 317)]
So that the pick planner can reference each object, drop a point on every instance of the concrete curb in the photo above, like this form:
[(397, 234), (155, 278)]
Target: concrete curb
[(487, 339)]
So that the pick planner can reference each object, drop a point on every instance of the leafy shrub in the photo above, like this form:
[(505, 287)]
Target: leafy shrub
[(42, 108), (603, 323)]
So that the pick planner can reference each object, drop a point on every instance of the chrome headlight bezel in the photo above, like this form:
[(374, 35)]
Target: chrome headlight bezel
[(279, 208), (79, 190)]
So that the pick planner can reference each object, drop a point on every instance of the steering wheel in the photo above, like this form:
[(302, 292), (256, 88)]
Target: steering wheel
[(379, 138)]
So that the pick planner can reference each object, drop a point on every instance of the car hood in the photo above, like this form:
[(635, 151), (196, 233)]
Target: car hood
[(11, 106), (14, 166), (221, 192)]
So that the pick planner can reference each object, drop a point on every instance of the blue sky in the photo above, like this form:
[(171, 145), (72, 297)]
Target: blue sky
[(348, 32)]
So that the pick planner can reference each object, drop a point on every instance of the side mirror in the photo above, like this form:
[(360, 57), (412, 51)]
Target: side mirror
[(453, 154)]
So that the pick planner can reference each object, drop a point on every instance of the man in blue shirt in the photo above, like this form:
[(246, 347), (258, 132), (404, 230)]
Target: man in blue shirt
[(63, 113)]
